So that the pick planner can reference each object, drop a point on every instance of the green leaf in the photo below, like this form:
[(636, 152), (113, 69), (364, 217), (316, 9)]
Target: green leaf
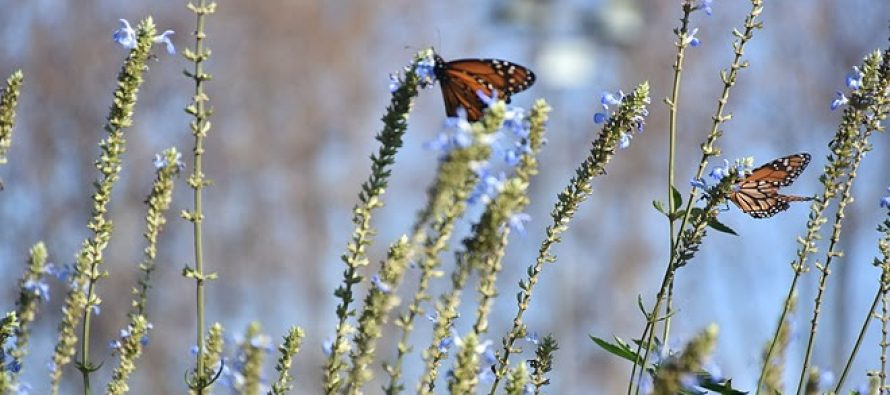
[(678, 199), (659, 206), (720, 227), (707, 381), (620, 349)]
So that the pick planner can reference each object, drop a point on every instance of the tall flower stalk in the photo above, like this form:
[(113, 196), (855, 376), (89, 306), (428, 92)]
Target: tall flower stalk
[(9, 97), (457, 177), (395, 122), (82, 301), (628, 118), (869, 106), (200, 126)]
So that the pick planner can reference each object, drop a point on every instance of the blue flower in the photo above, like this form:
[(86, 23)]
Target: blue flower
[(607, 99), (327, 347), (532, 338), (394, 83), (458, 133), (144, 340), (625, 140), (719, 172), (14, 366), (885, 201), (165, 39), (512, 156), (382, 286), (488, 355), (488, 187), (125, 35), (854, 79), (488, 100), (160, 162), (698, 183), (426, 71), (40, 289), (600, 117), (514, 120), (690, 39), (517, 221), (61, 272), (706, 5), (114, 345), (839, 100), (445, 344)]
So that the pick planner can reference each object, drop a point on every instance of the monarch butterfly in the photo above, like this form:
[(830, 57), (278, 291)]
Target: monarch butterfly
[(758, 194), (461, 79)]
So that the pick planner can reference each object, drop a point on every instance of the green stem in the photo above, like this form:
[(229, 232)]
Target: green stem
[(197, 182), (874, 305), (846, 198)]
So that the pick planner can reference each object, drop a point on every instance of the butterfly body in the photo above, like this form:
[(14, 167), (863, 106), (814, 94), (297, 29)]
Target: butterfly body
[(461, 79), (758, 194)]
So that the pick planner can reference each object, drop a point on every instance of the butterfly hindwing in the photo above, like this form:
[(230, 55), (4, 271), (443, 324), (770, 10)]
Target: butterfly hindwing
[(461, 79)]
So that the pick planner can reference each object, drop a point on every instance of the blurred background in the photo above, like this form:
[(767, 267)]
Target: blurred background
[(298, 89)]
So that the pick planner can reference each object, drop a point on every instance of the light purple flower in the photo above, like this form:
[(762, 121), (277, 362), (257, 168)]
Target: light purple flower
[(854, 79), (517, 221), (380, 284), (839, 100), (698, 183), (625, 140), (125, 35), (394, 83), (164, 38), (40, 289)]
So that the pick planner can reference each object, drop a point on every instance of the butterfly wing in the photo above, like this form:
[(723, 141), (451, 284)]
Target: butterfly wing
[(758, 194), (461, 79), (780, 172)]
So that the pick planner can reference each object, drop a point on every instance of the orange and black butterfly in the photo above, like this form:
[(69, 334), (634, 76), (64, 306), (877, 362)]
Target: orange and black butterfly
[(461, 79), (758, 194)]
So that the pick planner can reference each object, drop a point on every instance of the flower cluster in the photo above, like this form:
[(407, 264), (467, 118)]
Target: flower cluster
[(161, 160), (739, 168), (509, 143), (126, 37), (609, 99), (425, 68), (126, 334), (241, 373), (853, 81)]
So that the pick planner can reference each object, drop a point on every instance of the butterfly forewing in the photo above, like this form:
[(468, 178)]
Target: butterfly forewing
[(461, 79), (758, 194)]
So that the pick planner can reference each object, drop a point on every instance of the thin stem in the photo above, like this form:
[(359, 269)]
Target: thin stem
[(673, 105), (198, 215), (885, 316), (871, 311), (846, 197)]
